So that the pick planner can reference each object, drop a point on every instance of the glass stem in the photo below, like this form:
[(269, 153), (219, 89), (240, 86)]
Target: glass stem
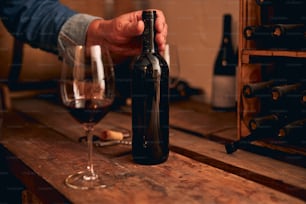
[(88, 132)]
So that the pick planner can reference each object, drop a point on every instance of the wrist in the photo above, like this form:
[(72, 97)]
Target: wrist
[(97, 32), (74, 31)]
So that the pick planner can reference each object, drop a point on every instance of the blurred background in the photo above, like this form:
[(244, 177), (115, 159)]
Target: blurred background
[(195, 27)]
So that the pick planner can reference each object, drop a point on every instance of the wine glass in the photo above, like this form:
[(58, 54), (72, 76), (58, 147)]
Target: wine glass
[(171, 56), (87, 89)]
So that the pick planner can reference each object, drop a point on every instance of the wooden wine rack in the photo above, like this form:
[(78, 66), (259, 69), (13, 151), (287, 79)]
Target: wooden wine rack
[(248, 72)]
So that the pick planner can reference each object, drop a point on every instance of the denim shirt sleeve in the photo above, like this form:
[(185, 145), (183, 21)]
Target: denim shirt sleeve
[(36, 22), (73, 32)]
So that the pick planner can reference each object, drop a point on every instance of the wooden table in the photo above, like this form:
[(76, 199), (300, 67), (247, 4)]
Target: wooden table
[(40, 145)]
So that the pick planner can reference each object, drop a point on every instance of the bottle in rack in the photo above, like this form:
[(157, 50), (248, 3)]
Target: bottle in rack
[(284, 36), (270, 124), (278, 2), (288, 90), (272, 47), (267, 123), (259, 32), (262, 91), (294, 132), (303, 98), (224, 80), (282, 126), (282, 11), (258, 89), (150, 100), (290, 36), (289, 31)]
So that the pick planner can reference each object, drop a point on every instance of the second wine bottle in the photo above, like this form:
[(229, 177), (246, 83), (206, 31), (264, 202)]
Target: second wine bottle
[(224, 74)]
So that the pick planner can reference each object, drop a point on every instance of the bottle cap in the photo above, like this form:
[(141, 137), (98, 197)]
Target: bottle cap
[(148, 14), (277, 31), (304, 99), (282, 133), (275, 95), (247, 91), (253, 125), (231, 147)]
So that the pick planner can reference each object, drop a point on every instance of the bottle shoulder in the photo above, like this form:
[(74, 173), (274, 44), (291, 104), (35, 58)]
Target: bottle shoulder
[(148, 59), (149, 55)]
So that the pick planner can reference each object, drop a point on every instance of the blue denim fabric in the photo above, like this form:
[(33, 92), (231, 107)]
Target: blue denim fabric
[(73, 31), (40, 23)]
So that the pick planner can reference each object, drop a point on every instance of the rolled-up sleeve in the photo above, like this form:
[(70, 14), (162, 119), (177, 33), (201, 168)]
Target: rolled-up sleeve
[(73, 32)]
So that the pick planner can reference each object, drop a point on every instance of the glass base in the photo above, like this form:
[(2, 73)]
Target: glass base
[(83, 180)]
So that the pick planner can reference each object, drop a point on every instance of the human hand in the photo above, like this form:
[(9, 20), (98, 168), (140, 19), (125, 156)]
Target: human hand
[(122, 35)]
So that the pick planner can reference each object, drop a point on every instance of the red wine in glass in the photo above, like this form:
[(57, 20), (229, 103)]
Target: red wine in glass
[(87, 88)]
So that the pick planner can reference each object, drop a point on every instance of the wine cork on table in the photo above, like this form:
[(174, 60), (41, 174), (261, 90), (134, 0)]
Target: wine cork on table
[(112, 135)]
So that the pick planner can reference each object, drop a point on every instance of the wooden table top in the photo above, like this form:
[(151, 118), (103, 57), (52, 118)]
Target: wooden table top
[(42, 146)]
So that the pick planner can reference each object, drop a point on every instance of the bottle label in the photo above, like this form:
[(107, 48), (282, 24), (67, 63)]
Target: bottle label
[(224, 91)]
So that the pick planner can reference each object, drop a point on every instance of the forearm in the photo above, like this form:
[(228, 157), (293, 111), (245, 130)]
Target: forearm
[(50, 26), (37, 22)]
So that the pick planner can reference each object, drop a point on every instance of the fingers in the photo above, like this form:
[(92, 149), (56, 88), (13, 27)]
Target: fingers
[(135, 26), (161, 30), (160, 23), (161, 42), (135, 29), (123, 34), (130, 25)]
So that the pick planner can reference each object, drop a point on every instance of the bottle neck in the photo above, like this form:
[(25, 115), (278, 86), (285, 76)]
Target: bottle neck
[(148, 37), (227, 38)]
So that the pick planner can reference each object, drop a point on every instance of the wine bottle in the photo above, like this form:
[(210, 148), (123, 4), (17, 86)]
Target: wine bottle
[(287, 98), (260, 32), (290, 36), (263, 127), (258, 89), (269, 124), (278, 2), (284, 36), (224, 81), (231, 147), (282, 11), (294, 132), (150, 99), (262, 122), (303, 97), (279, 92), (283, 2), (289, 31)]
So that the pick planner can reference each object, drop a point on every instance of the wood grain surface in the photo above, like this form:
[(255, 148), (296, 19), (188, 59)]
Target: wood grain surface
[(43, 136)]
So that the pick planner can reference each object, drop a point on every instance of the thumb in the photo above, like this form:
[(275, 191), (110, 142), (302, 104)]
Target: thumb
[(133, 29)]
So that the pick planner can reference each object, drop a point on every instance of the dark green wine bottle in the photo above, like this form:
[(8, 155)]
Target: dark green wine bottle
[(150, 100), (224, 74)]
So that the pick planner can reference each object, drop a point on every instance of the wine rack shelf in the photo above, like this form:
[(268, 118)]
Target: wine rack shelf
[(252, 71), (247, 53)]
